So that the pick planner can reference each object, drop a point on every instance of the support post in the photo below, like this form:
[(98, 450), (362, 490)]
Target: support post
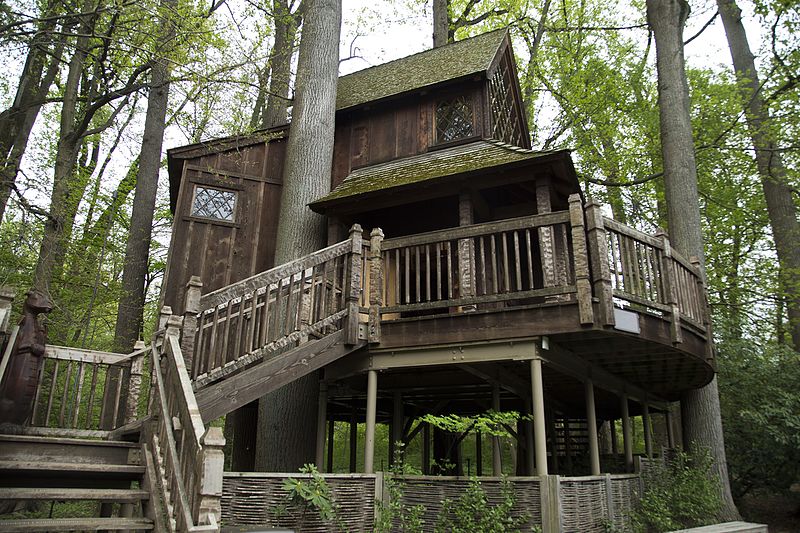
[(670, 290), (591, 426), (601, 271), (580, 260), (466, 251), (497, 464), (375, 285), (670, 429), (353, 286), (353, 439), (539, 435), (648, 433), (191, 308), (369, 441), (479, 454), (322, 415), (331, 434), (550, 494), (208, 489), (426, 449), (612, 424), (627, 443), (134, 384)]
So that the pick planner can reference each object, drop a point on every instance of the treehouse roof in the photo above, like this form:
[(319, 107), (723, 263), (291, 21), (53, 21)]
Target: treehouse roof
[(456, 60), (437, 166)]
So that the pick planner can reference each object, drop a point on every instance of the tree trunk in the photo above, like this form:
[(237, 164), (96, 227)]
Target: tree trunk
[(700, 408), (441, 22), (286, 25), (778, 195), (287, 417), (137, 248)]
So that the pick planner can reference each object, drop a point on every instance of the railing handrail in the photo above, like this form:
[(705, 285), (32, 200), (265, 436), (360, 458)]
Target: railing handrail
[(83, 355), (474, 230), (273, 275)]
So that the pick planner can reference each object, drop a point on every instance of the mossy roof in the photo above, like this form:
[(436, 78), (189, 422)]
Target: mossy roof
[(456, 60), (463, 159)]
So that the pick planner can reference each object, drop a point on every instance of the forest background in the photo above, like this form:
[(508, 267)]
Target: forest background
[(86, 80)]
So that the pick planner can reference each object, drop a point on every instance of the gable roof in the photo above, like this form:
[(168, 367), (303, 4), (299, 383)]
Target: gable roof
[(453, 61), (428, 167)]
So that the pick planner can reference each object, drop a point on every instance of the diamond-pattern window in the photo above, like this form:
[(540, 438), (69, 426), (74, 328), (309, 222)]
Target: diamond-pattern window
[(214, 203), (454, 120)]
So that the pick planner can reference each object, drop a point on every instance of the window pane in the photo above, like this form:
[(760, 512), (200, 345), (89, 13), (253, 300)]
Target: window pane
[(213, 203), (453, 120)]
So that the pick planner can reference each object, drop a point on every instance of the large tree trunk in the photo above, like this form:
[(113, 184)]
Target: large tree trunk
[(286, 25), (780, 206), (441, 22), (137, 248), (700, 408), (287, 417)]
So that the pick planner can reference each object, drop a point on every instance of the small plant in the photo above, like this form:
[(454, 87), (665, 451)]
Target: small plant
[(408, 518), (683, 494), (312, 494), (472, 512)]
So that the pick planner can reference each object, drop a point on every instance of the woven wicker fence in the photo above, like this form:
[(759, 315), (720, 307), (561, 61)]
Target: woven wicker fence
[(431, 492), (590, 504), (259, 499)]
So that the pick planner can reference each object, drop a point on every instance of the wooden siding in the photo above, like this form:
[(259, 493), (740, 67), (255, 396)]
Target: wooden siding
[(396, 129), (222, 252)]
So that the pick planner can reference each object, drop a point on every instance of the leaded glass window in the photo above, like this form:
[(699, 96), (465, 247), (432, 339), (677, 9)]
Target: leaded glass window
[(214, 203), (454, 120)]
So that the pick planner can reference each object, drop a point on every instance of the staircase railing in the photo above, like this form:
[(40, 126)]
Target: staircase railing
[(184, 460), (234, 327)]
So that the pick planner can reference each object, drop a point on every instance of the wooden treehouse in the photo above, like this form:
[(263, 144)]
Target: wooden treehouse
[(465, 272)]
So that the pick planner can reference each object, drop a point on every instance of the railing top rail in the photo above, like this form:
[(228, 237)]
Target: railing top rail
[(67, 353), (633, 233), (188, 403), (239, 289), (685, 263), (474, 230)]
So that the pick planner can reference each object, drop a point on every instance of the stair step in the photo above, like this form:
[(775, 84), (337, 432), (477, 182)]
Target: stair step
[(53, 466), (61, 449), (73, 524), (62, 494)]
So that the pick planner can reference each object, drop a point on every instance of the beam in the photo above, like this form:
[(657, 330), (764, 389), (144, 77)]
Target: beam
[(450, 354), (648, 435)]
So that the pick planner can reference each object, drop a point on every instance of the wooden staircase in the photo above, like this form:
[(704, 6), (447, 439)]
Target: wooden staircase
[(107, 475)]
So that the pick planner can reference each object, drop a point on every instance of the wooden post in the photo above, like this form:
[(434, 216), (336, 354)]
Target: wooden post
[(704, 311), (550, 494), (331, 434), (546, 246), (670, 429), (369, 441), (353, 286), (191, 308), (670, 290), (648, 434), (135, 384), (614, 444), (580, 259), (530, 459), (353, 439), (426, 448), (466, 251), (479, 454), (375, 285), (497, 465), (627, 443), (208, 489), (322, 412), (539, 434), (397, 424), (591, 424), (598, 254)]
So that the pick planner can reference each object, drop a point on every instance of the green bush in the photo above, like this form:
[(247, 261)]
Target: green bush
[(472, 512), (681, 495)]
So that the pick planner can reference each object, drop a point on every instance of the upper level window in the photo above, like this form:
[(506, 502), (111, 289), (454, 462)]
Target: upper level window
[(454, 120), (213, 203)]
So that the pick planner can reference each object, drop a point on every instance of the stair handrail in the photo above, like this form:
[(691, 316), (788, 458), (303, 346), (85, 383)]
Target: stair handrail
[(184, 459)]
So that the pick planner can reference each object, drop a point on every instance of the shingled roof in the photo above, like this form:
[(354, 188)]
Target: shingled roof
[(453, 61), (458, 160)]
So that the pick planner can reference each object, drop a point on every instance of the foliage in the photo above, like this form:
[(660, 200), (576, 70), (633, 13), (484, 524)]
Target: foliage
[(313, 495), (473, 513), (490, 423), (762, 417), (680, 495), (394, 510)]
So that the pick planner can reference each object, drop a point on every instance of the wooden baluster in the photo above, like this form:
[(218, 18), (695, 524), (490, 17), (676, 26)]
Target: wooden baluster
[(376, 285), (92, 395), (427, 272), (407, 273), (251, 325), (483, 271), (580, 259), (705, 314), (599, 254), (517, 261), (325, 291), (449, 270), (289, 326), (37, 396), (493, 256), (669, 287), (398, 296), (506, 270), (279, 326), (78, 393), (417, 274), (439, 283), (352, 286), (63, 410), (531, 284), (226, 333), (52, 394), (265, 315), (114, 422), (213, 355), (191, 308)]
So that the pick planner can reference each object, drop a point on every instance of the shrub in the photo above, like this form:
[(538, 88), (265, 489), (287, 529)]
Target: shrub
[(472, 512)]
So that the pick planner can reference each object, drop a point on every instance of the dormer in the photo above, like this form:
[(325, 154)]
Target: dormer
[(459, 93)]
